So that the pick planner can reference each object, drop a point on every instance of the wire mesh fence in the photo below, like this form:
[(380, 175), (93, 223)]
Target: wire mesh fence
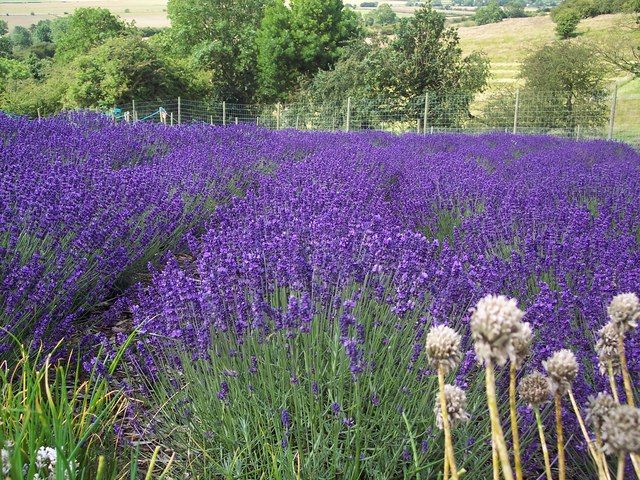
[(612, 116)]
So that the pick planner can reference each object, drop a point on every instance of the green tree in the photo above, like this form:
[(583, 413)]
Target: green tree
[(220, 36), (514, 9), (41, 32), (21, 37), (4, 27), (564, 88), (85, 29), (566, 23), (277, 59), (491, 13), (384, 15), (321, 29), (122, 69), (429, 57)]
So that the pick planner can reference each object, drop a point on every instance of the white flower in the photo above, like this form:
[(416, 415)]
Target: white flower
[(624, 311), (562, 368), (443, 348), (494, 323)]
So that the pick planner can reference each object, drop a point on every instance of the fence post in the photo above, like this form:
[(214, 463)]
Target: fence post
[(211, 119), (278, 110), (171, 119), (236, 120), (39, 115), (179, 110), (224, 114), (348, 125), (133, 110), (426, 112), (612, 114), (516, 111), (418, 127)]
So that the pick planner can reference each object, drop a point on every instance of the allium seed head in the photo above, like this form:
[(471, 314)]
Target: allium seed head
[(624, 311), (522, 344), (443, 348), (494, 322), (621, 430), (534, 389), (562, 368), (607, 348), (599, 408), (456, 399)]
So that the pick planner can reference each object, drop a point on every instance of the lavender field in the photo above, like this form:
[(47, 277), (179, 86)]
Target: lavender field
[(268, 295)]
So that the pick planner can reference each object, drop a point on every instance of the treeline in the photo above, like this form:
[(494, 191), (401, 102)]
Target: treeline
[(242, 51)]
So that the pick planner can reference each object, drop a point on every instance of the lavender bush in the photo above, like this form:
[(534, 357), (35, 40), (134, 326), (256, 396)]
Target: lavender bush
[(319, 262)]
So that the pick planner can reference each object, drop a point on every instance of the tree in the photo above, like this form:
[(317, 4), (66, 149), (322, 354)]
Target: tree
[(20, 37), (120, 70), (220, 36), (384, 15), (424, 58), (565, 85), (321, 28), (41, 32), (277, 59), (429, 57), (4, 27), (514, 9), (566, 23), (491, 13), (85, 29)]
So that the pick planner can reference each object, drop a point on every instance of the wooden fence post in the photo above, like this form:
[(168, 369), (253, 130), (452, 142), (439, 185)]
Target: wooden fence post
[(516, 111), (348, 122), (179, 110), (224, 114), (612, 113), (426, 112)]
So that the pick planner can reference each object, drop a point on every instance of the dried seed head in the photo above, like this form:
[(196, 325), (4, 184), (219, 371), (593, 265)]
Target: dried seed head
[(456, 399), (443, 348), (599, 408), (562, 368), (624, 311), (522, 344), (534, 389), (494, 322), (607, 348), (621, 430)]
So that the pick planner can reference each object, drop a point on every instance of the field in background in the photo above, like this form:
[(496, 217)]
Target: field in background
[(146, 13)]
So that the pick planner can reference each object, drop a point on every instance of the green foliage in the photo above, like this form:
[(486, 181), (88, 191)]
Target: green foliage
[(565, 87), (297, 42), (383, 15), (56, 405), (593, 8), (120, 70), (11, 69), (85, 29), (20, 37), (514, 9), (341, 426), (277, 57), (220, 35), (4, 27), (566, 23), (425, 57), (321, 28), (41, 32), (491, 13)]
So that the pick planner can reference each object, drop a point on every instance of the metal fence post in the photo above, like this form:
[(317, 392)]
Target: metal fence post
[(348, 125), (516, 111), (278, 109), (133, 110), (224, 114), (179, 110), (612, 114), (426, 112)]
